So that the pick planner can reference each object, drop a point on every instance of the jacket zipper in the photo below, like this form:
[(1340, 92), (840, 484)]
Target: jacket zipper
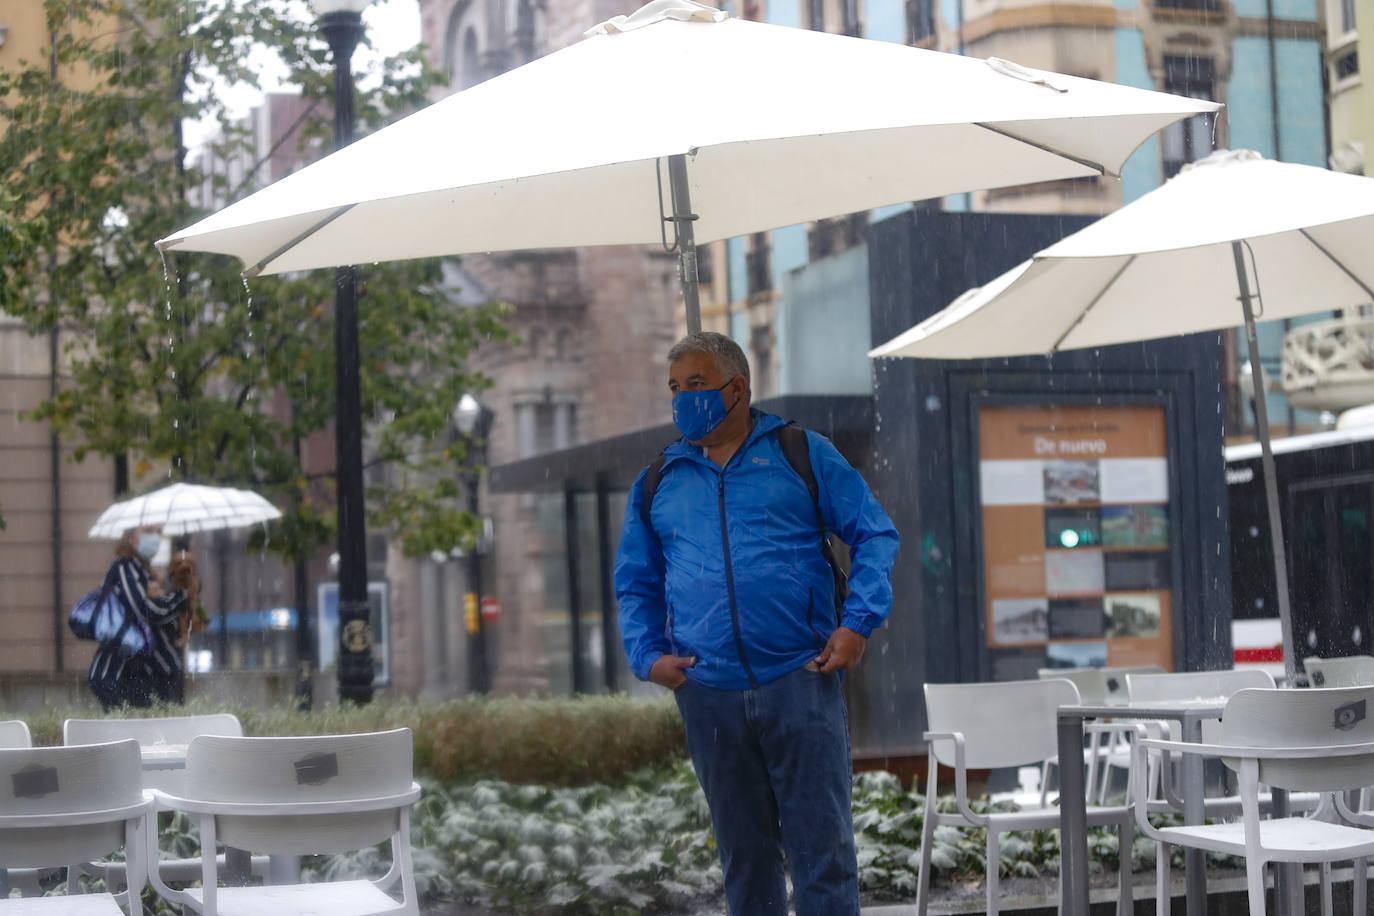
[(730, 582)]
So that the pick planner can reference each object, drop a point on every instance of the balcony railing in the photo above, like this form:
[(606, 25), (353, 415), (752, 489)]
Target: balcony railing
[(1329, 365)]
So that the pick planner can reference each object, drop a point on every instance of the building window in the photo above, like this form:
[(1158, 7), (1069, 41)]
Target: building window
[(920, 15), (1347, 15), (1186, 141), (1205, 6), (757, 264), (1347, 65)]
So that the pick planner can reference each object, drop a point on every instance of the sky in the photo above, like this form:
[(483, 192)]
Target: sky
[(392, 26)]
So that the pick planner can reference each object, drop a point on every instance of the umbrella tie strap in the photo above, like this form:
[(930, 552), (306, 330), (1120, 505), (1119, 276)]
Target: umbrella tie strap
[(664, 218)]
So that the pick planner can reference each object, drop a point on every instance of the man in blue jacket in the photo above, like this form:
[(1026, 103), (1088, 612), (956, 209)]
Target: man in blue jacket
[(727, 600)]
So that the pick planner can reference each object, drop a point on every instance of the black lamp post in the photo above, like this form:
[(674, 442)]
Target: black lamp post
[(341, 21), (473, 419)]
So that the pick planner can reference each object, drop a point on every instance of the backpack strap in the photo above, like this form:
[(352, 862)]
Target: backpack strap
[(792, 439), (652, 475)]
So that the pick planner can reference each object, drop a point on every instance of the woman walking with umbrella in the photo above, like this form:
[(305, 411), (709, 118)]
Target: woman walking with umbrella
[(148, 667)]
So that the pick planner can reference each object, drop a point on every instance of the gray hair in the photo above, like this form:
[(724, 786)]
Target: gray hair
[(728, 356)]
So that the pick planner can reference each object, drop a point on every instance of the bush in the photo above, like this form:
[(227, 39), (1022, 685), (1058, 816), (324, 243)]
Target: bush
[(572, 741)]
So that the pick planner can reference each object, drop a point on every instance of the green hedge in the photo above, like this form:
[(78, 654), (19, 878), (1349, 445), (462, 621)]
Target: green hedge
[(552, 742)]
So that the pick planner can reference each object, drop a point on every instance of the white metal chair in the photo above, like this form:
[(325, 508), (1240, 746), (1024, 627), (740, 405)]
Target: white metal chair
[(1190, 685), (298, 796), (152, 732), (155, 733), (60, 805), (1105, 750), (15, 733), (1345, 671), (1309, 740), (995, 725)]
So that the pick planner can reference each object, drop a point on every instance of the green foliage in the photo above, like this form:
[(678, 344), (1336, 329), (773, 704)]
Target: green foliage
[(568, 741), (180, 362)]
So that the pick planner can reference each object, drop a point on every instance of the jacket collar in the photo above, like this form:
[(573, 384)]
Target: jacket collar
[(764, 423)]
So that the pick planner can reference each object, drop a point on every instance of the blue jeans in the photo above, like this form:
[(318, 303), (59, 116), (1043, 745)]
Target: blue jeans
[(774, 764)]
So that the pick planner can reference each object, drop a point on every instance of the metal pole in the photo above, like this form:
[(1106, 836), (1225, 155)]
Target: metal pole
[(343, 30), (605, 557), (683, 218), (55, 469), (1271, 485), (570, 538), (478, 679)]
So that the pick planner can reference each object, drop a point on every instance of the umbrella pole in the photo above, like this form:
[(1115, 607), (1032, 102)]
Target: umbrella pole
[(687, 247), (1271, 486)]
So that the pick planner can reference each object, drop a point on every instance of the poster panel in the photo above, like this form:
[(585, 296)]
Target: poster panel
[(1076, 536)]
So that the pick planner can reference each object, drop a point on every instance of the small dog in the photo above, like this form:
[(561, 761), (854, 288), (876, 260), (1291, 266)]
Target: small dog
[(181, 574)]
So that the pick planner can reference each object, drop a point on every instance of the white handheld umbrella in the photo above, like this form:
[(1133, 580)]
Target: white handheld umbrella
[(184, 508), (572, 149), (1293, 238)]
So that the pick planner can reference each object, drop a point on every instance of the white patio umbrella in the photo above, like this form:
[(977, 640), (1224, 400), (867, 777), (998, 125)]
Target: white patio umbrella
[(185, 508), (572, 149), (1174, 262)]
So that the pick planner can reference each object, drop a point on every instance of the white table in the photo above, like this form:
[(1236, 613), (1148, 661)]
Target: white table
[(1073, 805)]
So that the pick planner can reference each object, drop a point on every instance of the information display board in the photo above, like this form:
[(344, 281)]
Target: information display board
[(1076, 537)]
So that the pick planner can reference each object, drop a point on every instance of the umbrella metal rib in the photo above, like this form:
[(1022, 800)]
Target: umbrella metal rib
[(1096, 299), (1087, 163)]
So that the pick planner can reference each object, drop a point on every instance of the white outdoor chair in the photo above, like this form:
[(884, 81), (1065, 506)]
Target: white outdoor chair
[(156, 731), (60, 805), (15, 733), (298, 796), (1345, 671), (995, 725), (1105, 750), (1306, 740), (1190, 685)]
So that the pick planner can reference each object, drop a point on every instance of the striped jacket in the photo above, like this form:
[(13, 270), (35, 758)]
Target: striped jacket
[(129, 582)]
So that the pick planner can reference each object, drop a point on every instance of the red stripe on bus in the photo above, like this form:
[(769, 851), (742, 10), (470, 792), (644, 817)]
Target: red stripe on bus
[(1270, 654)]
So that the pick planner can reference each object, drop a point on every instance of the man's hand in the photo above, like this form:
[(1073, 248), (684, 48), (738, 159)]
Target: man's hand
[(842, 650), (670, 670)]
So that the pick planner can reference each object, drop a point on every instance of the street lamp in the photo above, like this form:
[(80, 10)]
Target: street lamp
[(341, 22), (473, 419)]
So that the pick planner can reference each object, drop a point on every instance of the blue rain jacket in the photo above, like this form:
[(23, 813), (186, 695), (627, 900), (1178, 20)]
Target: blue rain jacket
[(732, 572)]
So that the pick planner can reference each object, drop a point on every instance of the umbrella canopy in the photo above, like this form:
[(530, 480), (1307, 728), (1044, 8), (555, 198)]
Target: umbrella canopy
[(1164, 265), (184, 508), (590, 145), (1172, 263)]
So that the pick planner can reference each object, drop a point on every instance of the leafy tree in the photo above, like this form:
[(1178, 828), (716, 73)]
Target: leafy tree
[(179, 362)]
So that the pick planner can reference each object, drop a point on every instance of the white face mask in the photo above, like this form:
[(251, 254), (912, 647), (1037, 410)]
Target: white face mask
[(148, 545)]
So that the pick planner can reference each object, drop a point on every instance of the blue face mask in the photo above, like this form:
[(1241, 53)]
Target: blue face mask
[(697, 413)]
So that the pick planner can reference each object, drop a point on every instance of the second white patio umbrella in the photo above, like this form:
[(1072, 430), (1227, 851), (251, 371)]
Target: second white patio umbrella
[(682, 123), (1285, 239)]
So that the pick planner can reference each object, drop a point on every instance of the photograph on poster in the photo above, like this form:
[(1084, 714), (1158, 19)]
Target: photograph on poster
[(1016, 620), (1072, 528), (1134, 480), (1132, 615), (1011, 483), (1076, 655), (1017, 664), (1077, 618), (1137, 570), (1135, 526), (1071, 482), (1074, 572)]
